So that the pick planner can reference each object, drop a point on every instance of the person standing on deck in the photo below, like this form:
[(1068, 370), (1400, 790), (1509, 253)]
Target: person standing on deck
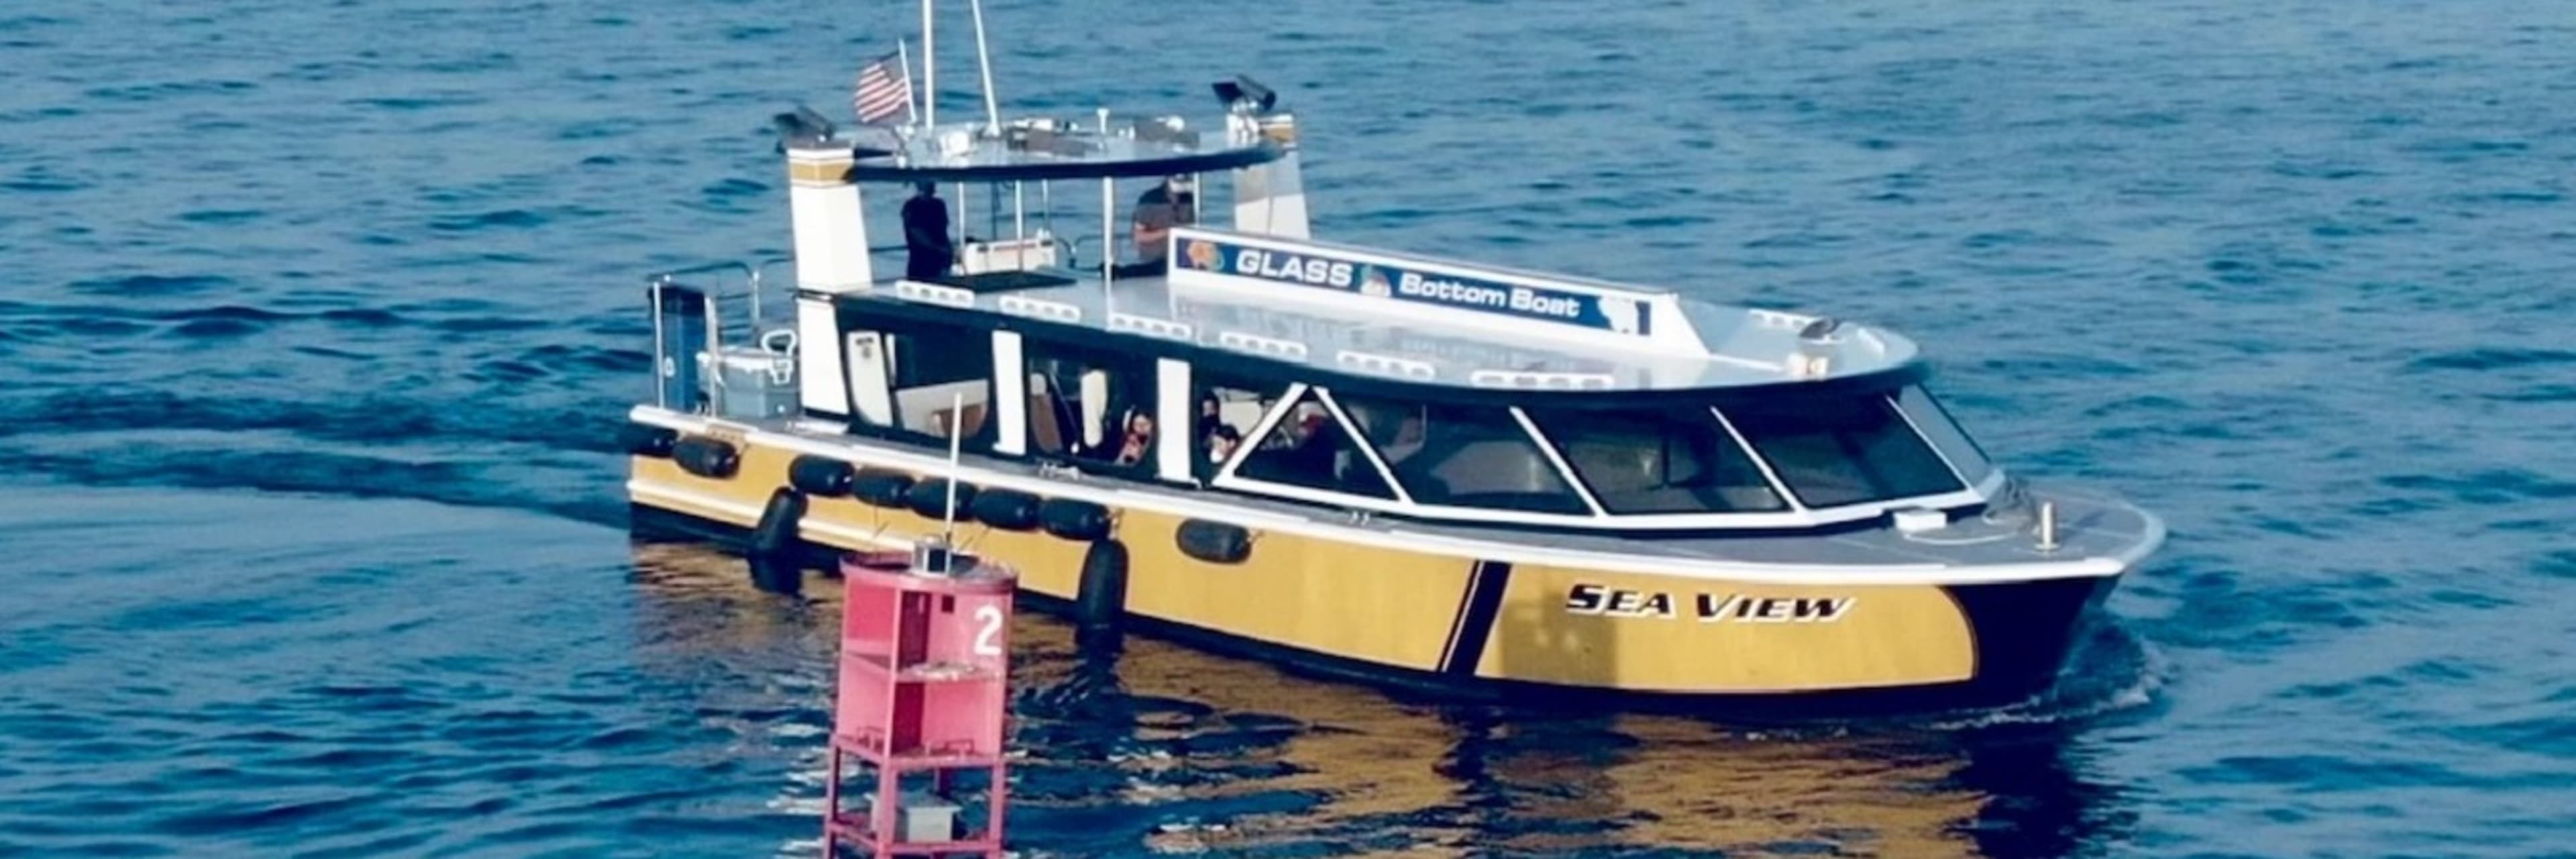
[(1173, 202), (925, 234)]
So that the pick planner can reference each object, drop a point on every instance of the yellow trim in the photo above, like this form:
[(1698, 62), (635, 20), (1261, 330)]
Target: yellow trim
[(1399, 608)]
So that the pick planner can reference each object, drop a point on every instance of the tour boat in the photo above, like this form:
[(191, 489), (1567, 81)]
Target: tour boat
[(1367, 462)]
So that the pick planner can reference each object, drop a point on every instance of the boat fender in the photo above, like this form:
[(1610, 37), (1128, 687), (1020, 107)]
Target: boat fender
[(1080, 521), (881, 488), (647, 439), (1007, 509), (706, 457), (930, 498), (1214, 542), (1102, 599), (820, 475), (774, 544)]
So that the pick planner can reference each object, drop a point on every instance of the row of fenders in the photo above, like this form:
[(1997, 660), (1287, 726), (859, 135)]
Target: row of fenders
[(774, 545)]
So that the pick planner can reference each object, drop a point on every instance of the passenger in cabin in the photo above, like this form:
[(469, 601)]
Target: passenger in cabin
[(1138, 441), (1221, 443), (928, 252), (1173, 202)]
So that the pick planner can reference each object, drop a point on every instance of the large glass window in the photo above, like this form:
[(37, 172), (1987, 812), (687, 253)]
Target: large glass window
[(1938, 427), (1675, 460), (1462, 456), (934, 367), (1089, 405), (1227, 409), (1309, 448), (1833, 451)]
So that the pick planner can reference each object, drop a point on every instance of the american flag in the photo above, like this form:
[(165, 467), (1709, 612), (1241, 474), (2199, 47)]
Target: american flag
[(884, 91)]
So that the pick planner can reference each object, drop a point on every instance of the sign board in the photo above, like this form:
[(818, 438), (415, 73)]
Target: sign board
[(1428, 284)]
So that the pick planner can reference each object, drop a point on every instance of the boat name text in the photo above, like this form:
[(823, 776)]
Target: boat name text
[(1706, 607)]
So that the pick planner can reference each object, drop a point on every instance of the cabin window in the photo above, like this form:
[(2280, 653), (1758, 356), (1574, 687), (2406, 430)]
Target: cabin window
[(1225, 413), (1462, 456), (1674, 460), (1309, 448), (1934, 421), (1090, 405), (1833, 451), (932, 367)]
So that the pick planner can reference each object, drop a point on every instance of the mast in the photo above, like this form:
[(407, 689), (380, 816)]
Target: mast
[(984, 60), (929, 71)]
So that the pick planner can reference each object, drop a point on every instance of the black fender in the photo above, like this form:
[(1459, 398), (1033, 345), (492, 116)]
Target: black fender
[(1007, 509), (1101, 599), (821, 475), (712, 458), (775, 546), (647, 439), (886, 489), (1071, 519), (1214, 542), (930, 498)]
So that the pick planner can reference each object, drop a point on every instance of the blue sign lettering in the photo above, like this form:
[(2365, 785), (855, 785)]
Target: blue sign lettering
[(1377, 280)]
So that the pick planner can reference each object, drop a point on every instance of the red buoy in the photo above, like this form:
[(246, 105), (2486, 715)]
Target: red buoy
[(924, 692)]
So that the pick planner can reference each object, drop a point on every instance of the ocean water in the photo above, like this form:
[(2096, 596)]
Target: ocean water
[(318, 317)]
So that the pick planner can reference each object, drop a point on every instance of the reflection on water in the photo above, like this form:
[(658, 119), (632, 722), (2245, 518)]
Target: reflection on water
[(1145, 746)]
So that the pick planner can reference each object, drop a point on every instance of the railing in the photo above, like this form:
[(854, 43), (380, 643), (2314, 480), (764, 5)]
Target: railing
[(676, 371)]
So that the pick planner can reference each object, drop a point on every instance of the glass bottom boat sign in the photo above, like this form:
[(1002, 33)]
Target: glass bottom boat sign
[(1419, 282)]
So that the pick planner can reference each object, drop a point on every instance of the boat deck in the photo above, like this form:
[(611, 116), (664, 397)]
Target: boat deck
[(1744, 346)]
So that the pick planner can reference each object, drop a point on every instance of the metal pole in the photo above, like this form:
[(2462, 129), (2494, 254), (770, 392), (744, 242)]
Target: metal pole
[(661, 389), (1108, 234), (929, 71), (956, 437), (904, 55), (984, 59), (2048, 526)]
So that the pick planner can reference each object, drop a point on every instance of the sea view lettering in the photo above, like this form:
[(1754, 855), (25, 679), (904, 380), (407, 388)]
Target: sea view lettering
[(1706, 607)]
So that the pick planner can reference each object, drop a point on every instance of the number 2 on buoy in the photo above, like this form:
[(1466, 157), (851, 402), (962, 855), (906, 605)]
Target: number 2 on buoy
[(992, 618)]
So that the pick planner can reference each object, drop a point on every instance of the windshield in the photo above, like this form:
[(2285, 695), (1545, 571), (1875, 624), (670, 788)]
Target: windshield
[(1833, 451), (1934, 420), (1677, 460)]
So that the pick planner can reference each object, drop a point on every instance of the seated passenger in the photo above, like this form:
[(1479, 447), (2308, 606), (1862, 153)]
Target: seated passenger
[(1139, 440), (1221, 443)]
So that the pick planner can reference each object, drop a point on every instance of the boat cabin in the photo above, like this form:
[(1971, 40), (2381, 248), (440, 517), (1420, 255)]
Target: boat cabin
[(1254, 361)]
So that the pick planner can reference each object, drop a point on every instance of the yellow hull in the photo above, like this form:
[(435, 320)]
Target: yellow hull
[(1465, 620)]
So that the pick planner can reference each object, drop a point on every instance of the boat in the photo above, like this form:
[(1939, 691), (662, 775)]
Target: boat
[(1402, 468)]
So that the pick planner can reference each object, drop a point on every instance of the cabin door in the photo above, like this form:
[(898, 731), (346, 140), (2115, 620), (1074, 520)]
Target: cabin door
[(679, 343), (865, 352)]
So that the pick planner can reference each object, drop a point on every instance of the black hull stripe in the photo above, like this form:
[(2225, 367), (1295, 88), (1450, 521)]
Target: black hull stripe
[(1485, 589)]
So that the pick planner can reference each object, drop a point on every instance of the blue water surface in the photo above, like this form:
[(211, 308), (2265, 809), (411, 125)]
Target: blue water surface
[(317, 319)]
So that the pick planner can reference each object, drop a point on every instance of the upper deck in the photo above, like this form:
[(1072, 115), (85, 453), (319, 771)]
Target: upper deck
[(1409, 318)]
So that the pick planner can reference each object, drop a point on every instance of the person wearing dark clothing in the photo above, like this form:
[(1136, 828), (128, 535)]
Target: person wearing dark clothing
[(925, 234), (1169, 203)]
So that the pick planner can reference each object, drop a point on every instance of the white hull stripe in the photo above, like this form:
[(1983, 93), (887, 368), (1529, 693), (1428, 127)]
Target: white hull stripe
[(1388, 538)]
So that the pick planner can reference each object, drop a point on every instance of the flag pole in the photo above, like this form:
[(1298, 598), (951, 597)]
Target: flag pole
[(904, 54), (929, 70)]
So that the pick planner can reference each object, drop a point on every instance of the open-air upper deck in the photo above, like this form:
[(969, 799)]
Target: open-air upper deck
[(1341, 310)]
